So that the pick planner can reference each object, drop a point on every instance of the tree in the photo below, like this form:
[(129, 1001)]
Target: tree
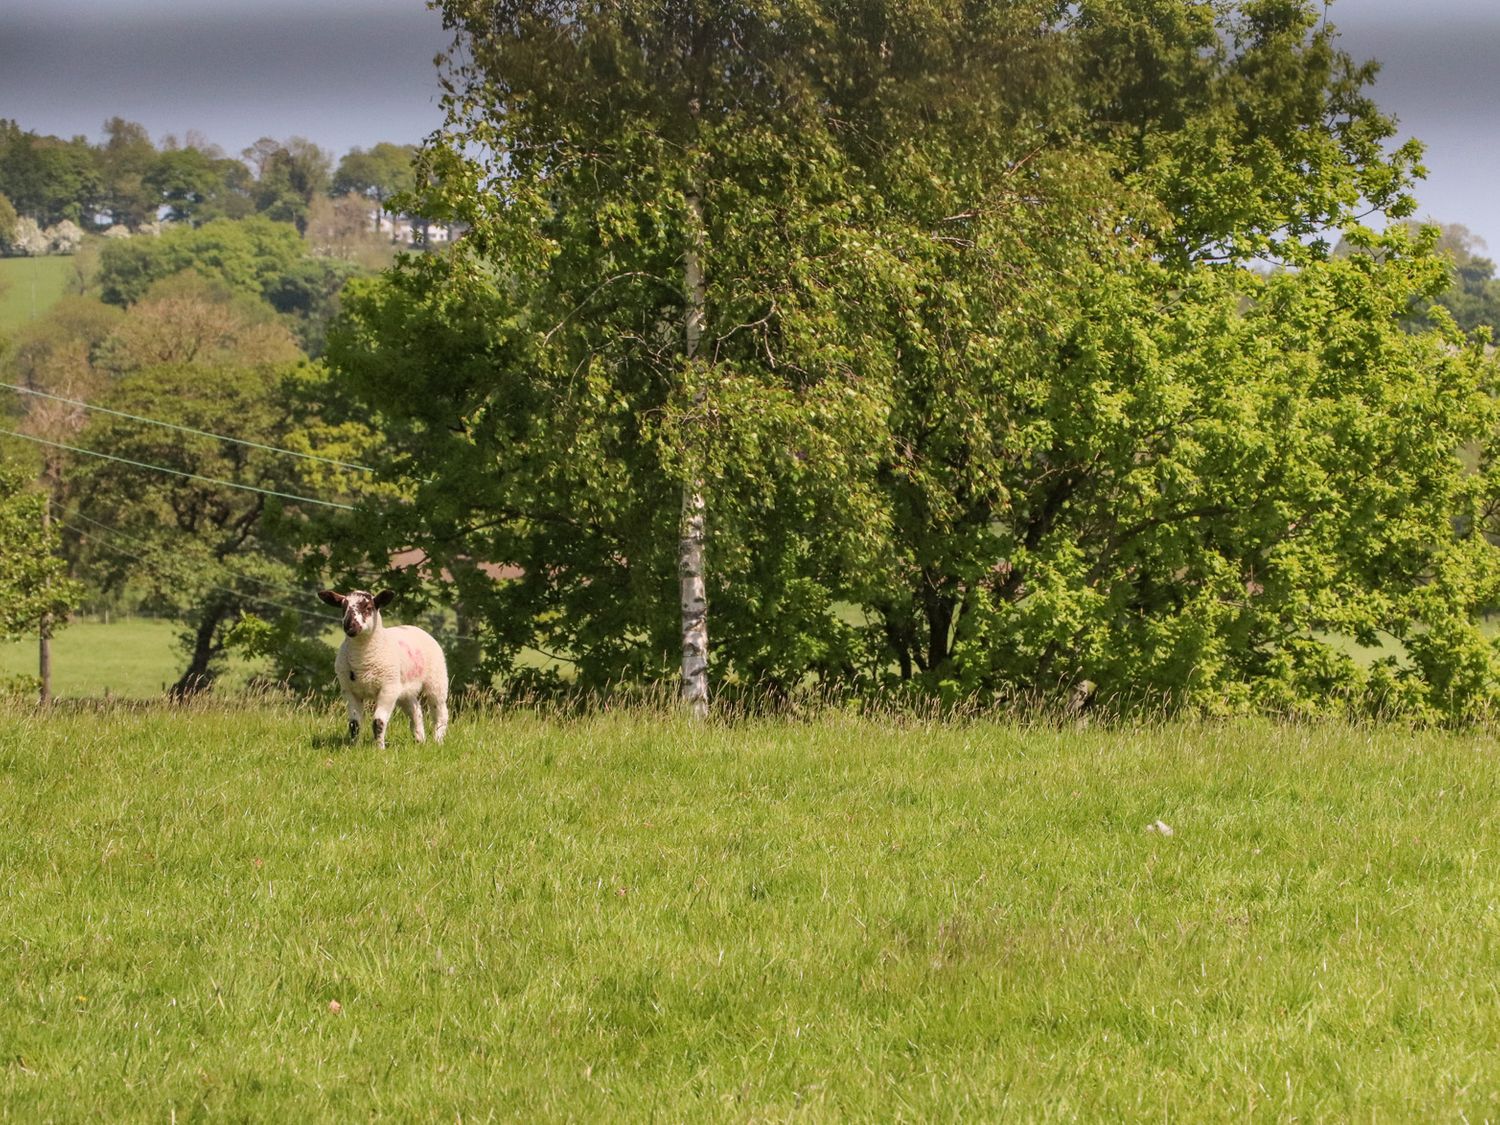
[(198, 186), (7, 222), (53, 359), (185, 319), (614, 218), (945, 316), (250, 256), (254, 257), (204, 552), (46, 178), (34, 586), (1201, 135), (382, 172), (288, 176), (1472, 297), (126, 161)]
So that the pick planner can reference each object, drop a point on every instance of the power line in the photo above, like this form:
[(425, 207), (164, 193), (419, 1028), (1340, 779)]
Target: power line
[(181, 473), (160, 573), (116, 533), (187, 429)]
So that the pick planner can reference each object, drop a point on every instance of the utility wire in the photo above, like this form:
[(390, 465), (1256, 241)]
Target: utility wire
[(180, 472), (116, 533), (187, 429), (160, 573)]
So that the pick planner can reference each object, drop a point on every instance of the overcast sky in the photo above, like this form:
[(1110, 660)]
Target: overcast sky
[(353, 72)]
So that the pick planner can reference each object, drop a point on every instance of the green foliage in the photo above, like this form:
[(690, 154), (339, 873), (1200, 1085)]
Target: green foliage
[(288, 175), (1211, 483), (47, 178), (989, 403), (7, 222), (127, 159), (33, 577), (385, 170), (251, 256), (1472, 297), (198, 186), (256, 257), (1244, 120), (202, 552), (300, 663), (126, 179), (23, 685)]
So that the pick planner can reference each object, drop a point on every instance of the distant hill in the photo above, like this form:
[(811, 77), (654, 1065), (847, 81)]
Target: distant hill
[(29, 286)]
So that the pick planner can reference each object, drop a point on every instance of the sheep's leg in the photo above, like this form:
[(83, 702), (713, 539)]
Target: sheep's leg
[(439, 713), (412, 705), (355, 714), (383, 708)]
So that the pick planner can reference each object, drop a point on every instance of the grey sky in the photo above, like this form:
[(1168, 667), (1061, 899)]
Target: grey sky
[(354, 72), (1440, 76), (337, 72)]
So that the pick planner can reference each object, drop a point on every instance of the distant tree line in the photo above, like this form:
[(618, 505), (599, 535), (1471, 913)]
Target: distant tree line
[(127, 180), (209, 325)]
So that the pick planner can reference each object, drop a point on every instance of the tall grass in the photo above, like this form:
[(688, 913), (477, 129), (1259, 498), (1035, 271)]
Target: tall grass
[(231, 913)]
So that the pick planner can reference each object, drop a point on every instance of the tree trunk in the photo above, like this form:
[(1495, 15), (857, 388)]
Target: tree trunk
[(939, 629), (44, 631), (44, 659), (694, 595), (198, 677)]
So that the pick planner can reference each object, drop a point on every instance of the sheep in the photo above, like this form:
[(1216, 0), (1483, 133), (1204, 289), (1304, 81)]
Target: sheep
[(379, 667)]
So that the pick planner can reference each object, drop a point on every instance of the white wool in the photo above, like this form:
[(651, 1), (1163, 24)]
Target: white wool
[(401, 666)]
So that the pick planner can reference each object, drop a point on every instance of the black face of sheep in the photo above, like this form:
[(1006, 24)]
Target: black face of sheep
[(359, 607)]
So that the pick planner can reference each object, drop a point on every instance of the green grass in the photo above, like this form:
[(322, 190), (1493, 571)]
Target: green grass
[(134, 658), (138, 658), (627, 918), (29, 286)]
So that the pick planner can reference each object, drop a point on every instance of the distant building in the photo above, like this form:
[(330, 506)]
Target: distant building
[(413, 232)]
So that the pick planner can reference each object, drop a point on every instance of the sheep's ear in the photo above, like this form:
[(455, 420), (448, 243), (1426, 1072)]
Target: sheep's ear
[(331, 598), (384, 598)]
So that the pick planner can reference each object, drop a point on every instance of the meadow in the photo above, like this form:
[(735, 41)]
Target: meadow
[(225, 911), (130, 657), (29, 287)]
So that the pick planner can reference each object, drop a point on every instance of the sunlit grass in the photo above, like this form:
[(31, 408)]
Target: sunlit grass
[(30, 286), (131, 658), (231, 913)]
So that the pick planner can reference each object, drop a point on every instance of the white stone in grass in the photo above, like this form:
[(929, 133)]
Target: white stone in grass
[(1160, 826)]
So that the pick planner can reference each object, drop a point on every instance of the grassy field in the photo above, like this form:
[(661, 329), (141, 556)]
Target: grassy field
[(29, 286), (219, 913), (134, 658)]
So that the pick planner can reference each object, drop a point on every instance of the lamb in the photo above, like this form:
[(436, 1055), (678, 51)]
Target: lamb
[(380, 667)]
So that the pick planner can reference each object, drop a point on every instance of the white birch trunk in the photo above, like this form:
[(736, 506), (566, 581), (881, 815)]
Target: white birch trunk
[(694, 692)]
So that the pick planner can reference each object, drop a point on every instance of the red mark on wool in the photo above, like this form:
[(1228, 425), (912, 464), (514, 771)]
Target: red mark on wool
[(414, 663)]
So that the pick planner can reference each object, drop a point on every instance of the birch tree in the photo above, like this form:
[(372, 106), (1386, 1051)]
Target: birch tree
[(660, 220), (35, 591)]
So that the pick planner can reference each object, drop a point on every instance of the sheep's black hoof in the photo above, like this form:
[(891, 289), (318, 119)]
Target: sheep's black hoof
[(378, 728), (353, 729)]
